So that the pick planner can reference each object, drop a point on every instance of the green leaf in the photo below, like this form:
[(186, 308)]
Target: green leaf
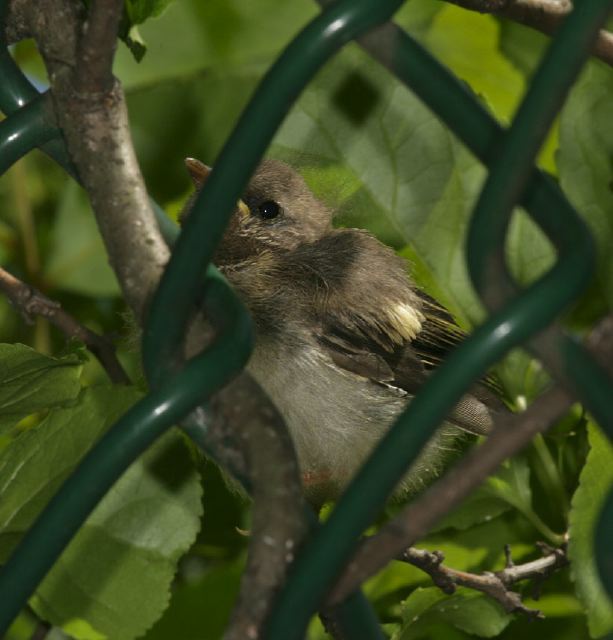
[(511, 483), (118, 570), (468, 44), (31, 382), (396, 576), (136, 12), (595, 483), (233, 37), (523, 46), (78, 260), (33, 466), (480, 506), (467, 611), (586, 176), (201, 609), (113, 580), (140, 10)]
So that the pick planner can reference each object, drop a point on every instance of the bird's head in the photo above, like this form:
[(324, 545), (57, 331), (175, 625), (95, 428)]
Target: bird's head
[(277, 212)]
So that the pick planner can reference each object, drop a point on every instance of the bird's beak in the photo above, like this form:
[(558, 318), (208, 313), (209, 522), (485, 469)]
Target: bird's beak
[(199, 173), (243, 210)]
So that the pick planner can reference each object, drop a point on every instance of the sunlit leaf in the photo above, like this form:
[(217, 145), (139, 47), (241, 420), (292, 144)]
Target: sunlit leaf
[(31, 382), (595, 483), (586, 174)]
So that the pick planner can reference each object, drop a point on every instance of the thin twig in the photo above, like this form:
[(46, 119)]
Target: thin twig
[(494, 584), (31, 302), (419, 516), (545, 16)]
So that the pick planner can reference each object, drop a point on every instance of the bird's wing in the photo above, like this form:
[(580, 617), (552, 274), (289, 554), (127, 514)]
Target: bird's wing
[(365, 347), (372, 322)]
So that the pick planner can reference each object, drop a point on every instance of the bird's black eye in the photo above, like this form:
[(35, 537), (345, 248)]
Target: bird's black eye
[(269, 209)]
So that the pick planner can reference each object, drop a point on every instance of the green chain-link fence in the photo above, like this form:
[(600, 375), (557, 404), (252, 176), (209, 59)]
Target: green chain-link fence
[(516, 315)]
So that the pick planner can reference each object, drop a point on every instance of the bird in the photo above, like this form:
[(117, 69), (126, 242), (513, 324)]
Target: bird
[(343, 337)]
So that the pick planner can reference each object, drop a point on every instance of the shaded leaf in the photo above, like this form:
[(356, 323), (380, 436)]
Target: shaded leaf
[(117, 572), (511, 483), (78, 260), (114, 577), (480, 506), (468, 611), (200, 610)]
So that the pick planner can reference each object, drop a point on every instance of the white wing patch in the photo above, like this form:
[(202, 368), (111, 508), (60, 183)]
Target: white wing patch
[(405, 320)]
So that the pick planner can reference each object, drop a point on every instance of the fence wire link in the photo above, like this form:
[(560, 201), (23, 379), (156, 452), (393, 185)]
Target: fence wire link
[(178, 387)]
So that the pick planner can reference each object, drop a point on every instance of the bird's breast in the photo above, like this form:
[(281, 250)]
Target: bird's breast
[(334, 416)]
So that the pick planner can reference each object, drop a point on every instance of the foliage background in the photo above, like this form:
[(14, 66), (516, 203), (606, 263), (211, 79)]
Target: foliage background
[(370, 149)]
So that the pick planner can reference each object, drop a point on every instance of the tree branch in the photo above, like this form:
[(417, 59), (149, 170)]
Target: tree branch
[(242, 411), (97, 46), (17, 22), (496, 585), (541, 15), (29, 301), (91, 112)]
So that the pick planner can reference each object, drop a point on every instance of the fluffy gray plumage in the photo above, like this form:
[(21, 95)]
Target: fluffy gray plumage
[(343, 338)]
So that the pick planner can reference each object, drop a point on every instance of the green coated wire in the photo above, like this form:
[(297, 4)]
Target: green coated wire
[(483, 135), (474, 126), (23, 131), (357, 620), (128, 438), (510, 175), (164, 332), (59, 512), (504, 326), (323, 37), (326, 554), (513, 166), (15, 90)]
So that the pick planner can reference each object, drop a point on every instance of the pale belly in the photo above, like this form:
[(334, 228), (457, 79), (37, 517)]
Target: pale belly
[(335, 417)]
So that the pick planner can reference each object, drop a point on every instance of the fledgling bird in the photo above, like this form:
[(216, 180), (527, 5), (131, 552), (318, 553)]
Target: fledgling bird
[(343, 337)]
